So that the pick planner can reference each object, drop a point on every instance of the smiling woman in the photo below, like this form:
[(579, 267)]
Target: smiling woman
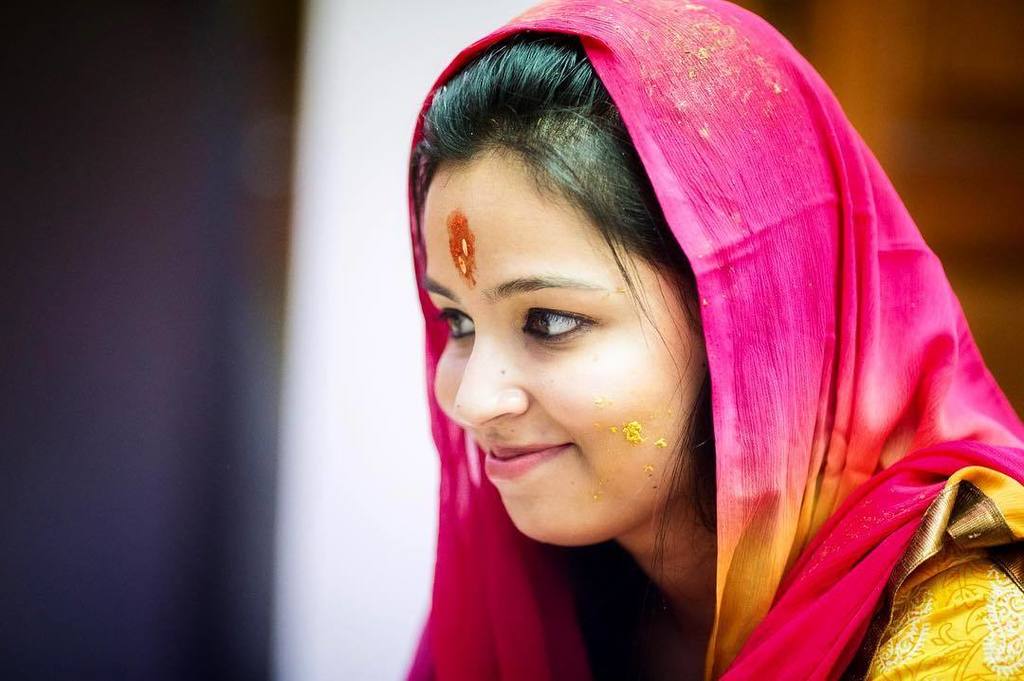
[(575, 358), (576, 394), (537, 355), (619, 210)]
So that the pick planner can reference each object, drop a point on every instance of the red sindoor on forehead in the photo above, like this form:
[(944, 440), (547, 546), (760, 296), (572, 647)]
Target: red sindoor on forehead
[(461, 244)]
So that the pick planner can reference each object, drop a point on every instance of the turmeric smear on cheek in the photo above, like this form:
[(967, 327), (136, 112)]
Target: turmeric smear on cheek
[(462, 246), (633, 432)]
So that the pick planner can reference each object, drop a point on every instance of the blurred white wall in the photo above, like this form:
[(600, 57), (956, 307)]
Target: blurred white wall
[(357, 517)]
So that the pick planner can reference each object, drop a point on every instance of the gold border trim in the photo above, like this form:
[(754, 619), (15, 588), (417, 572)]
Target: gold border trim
[(963, 514)]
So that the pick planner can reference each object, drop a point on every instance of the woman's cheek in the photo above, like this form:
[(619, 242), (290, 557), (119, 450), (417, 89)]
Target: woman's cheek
[(631, 416), (572, 385), (446, 380)]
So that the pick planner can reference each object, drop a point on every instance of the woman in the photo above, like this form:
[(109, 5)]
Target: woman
[(686, 348)]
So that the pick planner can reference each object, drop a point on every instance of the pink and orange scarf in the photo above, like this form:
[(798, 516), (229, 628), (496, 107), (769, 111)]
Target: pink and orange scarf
[(847, 389)]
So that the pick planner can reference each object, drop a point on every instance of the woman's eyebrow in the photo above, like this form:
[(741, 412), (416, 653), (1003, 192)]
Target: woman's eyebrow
[(516, 286)]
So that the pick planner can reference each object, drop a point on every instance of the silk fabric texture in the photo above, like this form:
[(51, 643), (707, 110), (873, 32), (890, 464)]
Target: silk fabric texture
[(846, 385)]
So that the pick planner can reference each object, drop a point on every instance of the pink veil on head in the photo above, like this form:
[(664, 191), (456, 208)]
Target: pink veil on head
[(846, 386)]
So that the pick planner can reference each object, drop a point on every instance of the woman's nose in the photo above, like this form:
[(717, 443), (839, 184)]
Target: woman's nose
[(488, 390)]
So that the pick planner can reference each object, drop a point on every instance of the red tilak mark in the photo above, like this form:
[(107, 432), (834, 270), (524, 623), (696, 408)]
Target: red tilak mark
[(461, 244)]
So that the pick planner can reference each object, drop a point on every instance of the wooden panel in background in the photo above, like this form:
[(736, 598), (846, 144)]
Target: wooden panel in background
[(936, 88)]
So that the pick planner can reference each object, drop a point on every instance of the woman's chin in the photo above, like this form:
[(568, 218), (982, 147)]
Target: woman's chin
[(556, 528)]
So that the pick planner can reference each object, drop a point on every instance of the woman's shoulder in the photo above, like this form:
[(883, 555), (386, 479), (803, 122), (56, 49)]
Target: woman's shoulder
[(959, 616)]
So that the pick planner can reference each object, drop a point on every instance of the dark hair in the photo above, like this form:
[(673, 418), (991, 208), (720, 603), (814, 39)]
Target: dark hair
[(536, 97)]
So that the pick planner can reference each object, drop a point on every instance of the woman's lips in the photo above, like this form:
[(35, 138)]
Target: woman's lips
[(510, 464)]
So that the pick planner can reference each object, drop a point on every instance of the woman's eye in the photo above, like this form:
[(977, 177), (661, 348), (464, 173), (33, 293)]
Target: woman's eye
[(553, 326), (459, 325), (545, 325)]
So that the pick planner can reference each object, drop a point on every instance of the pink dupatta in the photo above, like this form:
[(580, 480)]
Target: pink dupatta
[(846, 385)]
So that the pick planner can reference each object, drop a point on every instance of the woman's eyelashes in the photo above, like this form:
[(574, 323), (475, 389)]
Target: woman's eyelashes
[(456, 323), (549, 326), (552, 326)]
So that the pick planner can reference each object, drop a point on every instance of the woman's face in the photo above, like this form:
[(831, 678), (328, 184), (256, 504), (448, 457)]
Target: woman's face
[(548, 348)]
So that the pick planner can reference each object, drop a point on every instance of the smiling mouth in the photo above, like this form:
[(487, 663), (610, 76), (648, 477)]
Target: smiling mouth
[(505, 470), (507, 453)]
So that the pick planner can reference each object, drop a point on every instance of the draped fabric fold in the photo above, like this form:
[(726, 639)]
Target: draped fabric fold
[(846, 386)]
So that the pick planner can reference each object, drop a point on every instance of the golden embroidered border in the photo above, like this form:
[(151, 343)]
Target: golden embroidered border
[(964, 514)]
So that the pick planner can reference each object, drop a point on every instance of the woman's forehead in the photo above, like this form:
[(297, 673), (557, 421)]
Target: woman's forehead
[(492, 207)]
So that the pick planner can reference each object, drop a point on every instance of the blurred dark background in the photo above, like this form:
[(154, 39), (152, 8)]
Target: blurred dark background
[(936, 88), (146, 175), (147, 166)]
